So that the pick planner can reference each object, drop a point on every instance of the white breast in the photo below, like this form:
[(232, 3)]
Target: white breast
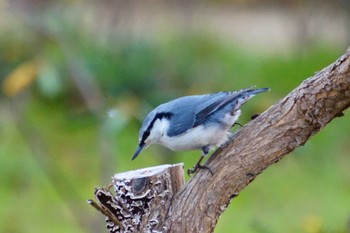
[(196, 138), (203, 135)]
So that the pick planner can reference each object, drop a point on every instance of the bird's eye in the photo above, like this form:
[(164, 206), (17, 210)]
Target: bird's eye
[(146, 134)]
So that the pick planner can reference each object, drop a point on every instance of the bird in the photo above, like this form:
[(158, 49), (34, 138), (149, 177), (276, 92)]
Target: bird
[(194, 122)]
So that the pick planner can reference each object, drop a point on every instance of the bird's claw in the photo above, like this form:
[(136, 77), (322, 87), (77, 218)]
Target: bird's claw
[(197, 167), (236, 123)]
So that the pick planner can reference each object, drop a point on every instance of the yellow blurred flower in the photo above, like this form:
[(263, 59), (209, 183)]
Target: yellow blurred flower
[(21, 77), (312, 224)]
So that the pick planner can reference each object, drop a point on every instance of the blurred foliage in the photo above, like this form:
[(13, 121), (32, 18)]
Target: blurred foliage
[(72, 104)]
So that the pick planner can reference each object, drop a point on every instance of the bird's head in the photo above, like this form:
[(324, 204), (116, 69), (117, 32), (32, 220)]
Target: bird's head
[(152, 130)]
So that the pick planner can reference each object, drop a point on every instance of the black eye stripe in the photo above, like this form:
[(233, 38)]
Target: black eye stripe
[(147, 132), (144, 137)]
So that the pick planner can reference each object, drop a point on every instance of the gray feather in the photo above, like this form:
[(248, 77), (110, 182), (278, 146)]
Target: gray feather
[(191, 111)]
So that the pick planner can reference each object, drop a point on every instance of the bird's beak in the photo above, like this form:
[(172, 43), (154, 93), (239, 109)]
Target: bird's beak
[(137, 152)]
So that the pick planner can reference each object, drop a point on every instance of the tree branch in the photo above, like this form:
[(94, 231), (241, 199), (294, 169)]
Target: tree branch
[(264, 141)]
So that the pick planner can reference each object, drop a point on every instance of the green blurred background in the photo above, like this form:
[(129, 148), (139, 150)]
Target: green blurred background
[(77, 78)]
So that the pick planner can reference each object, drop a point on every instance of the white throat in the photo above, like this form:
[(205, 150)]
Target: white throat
[(159, 129)]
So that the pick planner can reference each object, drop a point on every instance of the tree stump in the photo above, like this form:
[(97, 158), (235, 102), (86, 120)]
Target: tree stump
[(140, 199)]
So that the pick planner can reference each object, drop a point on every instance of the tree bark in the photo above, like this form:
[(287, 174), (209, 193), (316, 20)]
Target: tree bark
[(141, 198), (264, 141)]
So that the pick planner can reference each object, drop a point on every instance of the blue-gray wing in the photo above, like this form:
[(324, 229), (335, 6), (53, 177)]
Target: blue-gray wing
[(212, 104), (190, 110), (183, 114), (226, 101)]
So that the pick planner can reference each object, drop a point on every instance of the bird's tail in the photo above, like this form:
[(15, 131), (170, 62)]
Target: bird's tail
[(244, 95), (251, 91)]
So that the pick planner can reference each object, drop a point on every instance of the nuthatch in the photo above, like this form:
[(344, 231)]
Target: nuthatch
[(194, 122)]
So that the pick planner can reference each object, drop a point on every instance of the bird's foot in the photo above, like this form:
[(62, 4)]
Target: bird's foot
[(197, 167), (236, 123)]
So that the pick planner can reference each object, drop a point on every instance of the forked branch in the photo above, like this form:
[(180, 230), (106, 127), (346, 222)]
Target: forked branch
[(264, 141)]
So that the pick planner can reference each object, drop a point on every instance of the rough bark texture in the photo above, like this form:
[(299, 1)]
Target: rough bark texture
[(141, 198), (262, 142)]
